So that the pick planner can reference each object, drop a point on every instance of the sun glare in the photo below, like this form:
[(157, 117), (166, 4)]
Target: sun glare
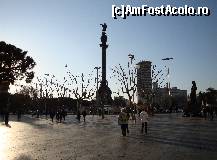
[(3, 142)]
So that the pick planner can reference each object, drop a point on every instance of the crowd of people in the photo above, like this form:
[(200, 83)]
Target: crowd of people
[(123, 117), (209, 112), (61, 114)]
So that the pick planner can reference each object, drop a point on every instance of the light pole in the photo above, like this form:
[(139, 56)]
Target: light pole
[(131, 58), (168, 84), (168, 74), (132, 77), (97, 81), (46, 96)]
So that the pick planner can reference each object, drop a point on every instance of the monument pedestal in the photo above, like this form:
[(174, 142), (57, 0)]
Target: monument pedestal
[(104, 94)]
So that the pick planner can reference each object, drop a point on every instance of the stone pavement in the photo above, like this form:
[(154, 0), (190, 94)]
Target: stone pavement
[(169, 137)]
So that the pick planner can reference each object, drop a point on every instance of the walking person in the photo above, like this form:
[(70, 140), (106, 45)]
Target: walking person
[(64, 113), (211, 113), (57, 116), (37, 113), (52, 114), (60, 115), (18, 115), (144, 120), (122, 121), (128, 117), (7, 112), (6, 118), (84, 113), (78, 115), (133, 115), (204, 112)]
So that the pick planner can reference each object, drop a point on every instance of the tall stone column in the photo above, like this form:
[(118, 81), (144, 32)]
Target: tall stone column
[(104, 47), (104, 91)]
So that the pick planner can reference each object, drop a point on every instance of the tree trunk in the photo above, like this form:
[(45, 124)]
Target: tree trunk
[(103, 111), (4, 86), (4, 95), (78, 109)]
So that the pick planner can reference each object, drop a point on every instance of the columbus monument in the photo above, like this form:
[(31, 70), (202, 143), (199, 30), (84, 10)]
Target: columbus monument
[(104, 92)]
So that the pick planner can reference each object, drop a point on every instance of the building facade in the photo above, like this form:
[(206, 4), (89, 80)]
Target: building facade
[(144, 81), (166, 98)]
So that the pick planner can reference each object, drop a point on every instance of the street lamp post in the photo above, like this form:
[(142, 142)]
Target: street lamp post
[(131, 57), (132, 74), (168, 73), (97, 77), (97, 81), (168, 83), (46, 96)]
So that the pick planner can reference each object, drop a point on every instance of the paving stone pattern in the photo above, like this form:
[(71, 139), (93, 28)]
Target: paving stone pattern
[(170, 136)]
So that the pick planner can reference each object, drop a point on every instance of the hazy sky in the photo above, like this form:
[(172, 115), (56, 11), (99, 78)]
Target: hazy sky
[(59, 32)]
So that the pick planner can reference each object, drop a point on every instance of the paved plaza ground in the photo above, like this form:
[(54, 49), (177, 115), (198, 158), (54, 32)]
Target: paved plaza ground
[(169, 137)]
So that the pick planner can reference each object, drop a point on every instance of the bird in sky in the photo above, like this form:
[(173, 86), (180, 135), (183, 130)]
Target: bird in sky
[(166, 59)]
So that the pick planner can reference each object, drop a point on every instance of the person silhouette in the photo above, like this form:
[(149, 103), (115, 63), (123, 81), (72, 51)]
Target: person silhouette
[(78, 115), (84, 113), (122, 121), (144, 120), (52, 114)]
